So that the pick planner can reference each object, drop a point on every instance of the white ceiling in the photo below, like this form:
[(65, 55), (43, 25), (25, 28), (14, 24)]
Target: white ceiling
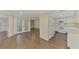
[(62, 13), (35, 13), (24, 12)]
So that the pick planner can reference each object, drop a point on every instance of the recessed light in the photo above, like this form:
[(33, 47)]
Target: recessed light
[(21, 13)]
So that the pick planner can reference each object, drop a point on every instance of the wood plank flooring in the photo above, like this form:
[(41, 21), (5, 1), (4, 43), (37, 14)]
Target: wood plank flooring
[(31, 40)]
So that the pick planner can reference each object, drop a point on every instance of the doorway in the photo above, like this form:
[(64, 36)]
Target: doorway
[(35, 30)]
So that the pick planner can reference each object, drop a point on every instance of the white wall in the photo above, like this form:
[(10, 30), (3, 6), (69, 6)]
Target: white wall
[(44, 26), (11, 30), (3, 24), (68, 21), (51, 27), (76, 16)]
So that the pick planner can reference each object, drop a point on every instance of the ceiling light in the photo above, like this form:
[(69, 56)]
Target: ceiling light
[(21, 13)]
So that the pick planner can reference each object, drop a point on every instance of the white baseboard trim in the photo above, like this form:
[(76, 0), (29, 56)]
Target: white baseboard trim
[(11, 35), (44, 38)]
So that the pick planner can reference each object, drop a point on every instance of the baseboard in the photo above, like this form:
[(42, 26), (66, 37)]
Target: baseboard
[(51, 38), (10, 35), (44, 38)]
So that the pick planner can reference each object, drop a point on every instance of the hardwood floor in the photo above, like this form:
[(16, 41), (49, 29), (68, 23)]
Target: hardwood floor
[(31, 40), (3, 36)]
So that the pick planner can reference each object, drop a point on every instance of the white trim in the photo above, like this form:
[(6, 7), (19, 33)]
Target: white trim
[(10, 35), (44, 38)]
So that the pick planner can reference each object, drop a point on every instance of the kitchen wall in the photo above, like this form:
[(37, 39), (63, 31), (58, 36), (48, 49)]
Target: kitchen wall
[(51, 27), (68, 21), (54, 24), (76, 18)]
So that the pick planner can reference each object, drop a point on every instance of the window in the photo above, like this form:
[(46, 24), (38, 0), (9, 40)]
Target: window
[(26, 25), (19, 25), (22, 25)]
